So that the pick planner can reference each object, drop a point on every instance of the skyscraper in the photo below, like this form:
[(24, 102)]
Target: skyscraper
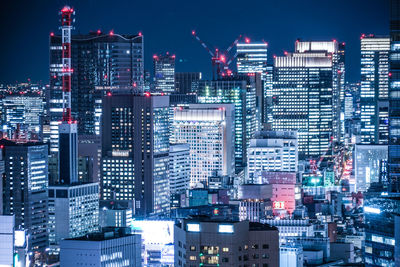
[(186, 82), (135, 147), (23, 113), (25, 189), (251, 57), (240, 91), (208, 129), (164, 73), (100, 63), (374, 89), (306, 88), (394, 98)]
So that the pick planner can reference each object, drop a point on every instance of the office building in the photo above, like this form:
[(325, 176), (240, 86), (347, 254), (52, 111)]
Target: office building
[(186, 82), (394, 98), (203, 241), (374, 89), (369, 160), (135, 148), (115, 213), (208, 129), (251, 57), (22, 116), (7, 237), (379, 220), (89, 152), (113, 246), (164, 73), (179, 168), (73, 211), (101, 62), (271, 151), (306, 95), (240, 91), (25, 189)]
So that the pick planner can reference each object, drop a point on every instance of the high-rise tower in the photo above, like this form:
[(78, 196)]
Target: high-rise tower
[(68, 130)]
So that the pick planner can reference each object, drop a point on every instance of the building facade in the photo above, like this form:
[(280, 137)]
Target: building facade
[(186, 82), (113, 246), (207, 242), (25, 189), (135, 151), (374, 89), (179, 168), (164, 73), (306, 95), (240, 91), (208, 129), (271, 151), (73, 211), (101, 63), (394, 98)]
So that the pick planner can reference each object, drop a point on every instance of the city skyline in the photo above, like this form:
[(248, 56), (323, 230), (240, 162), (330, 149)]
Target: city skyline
[(224, 23)]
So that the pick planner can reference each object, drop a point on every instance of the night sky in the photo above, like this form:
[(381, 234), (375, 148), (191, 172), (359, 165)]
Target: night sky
[(167, 25)]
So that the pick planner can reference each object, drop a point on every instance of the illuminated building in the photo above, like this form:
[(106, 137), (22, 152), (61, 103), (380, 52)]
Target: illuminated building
[(289, 227), (368, 164), (206, 242), (186, 82), (101, 62), (379, 221), (208, 129), (271, 151), (115, 213), (157, 241), (7, 236), (89, 151), (374, 89), (113, 246), (25, 189), (179, 168), (240, 91), (135, 148), (251, 57), (23, 113), (394, 99), (164, 73), (73, 211), (306, 95)]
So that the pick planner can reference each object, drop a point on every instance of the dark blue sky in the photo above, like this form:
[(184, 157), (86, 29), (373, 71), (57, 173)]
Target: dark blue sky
[(167, 25)]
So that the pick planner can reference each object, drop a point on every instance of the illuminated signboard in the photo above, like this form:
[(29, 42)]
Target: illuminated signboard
[(279, 205), (19, 238), (225, 228), (120, 153), (193, 227)]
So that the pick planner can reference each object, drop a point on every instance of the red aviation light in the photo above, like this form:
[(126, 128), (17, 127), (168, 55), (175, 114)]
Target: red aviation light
[(98, 31), (52, 34), (247, 40), (111, 33), (222, 58), (140, 34), (193, 32), (109, 94), (147, 94), (162, 93), (390, 74)]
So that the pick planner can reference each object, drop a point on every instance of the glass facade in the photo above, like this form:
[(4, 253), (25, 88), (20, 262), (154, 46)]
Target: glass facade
[(374, 89), (241, 92), (303, 96), (394, 99), (101, 63), (164, 73)]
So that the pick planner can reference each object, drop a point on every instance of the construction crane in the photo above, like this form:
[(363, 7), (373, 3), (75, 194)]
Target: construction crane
[(220, 60)]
